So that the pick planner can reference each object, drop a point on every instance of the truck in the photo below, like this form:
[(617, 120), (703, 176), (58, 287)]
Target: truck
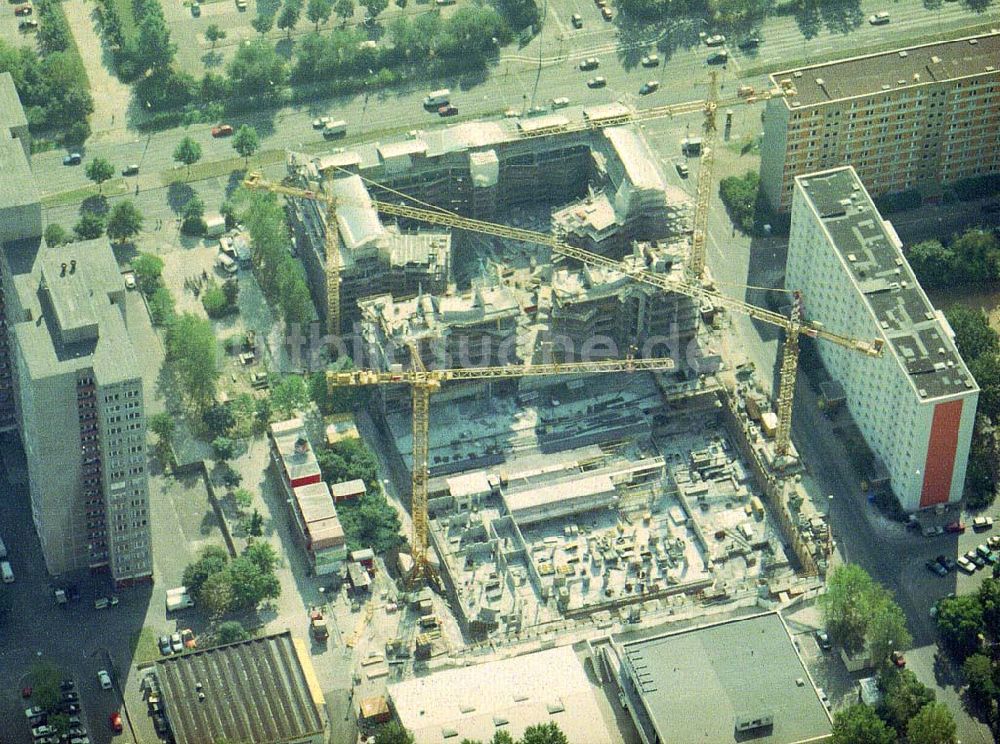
[(334, 129), (178, 599), (317, 625), (437, 98)]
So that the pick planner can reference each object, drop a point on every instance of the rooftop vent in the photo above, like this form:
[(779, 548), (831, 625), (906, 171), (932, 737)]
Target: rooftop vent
[(916, 77), (201, 696), (301, 446), (973, 41), (797, 74), (904, 53), (922, 392), (990, 68), (851, 257), (72, 266), (900, 82), (820, 82), (886, 86), (62, 269)]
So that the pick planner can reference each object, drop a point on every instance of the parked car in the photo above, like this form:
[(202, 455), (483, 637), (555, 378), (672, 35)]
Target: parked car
[(196, 9), (26, 691), (42, 731), (823, 640), (163, 642), (650, 60), (597, 82), (994, 542), (932, 531), (750, 42), (947, 562), (606, 13), (321, 122), (34, 711), (591, 63), (222, 130), (28, 25), (980, 524), (131, 170), (879, 19), (561, 102), (241, 5), (957, 527), (719, 58), (115, 719), (715, 40), (973, 557), (74, 158), (682, 169), (70, 697), (934, 567), (176, 644), (966, 565), (187, 635), (23, 10), (105, 679), (648, 87), (67, 684), (447, 110), (71, 708), (577, 20), (898, 659)]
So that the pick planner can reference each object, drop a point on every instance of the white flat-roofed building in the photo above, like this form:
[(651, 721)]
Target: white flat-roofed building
[(916, 404)]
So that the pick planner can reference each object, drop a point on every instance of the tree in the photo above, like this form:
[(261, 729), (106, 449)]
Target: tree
[(231, 631), (986, 370), (374, 7), (231, 289), (262, 555), (148, 270), (934, 724), (163, 426), (55, 234), (401, 4), (393, 733), (217, 595), (739, 194), (192, 216), (973, 335), (289, 16), (502, 736), (99, 170), (154, 41), (371, 522), (214, 34), (904, 696), (228, 475), (989, 600), (344, 9), (318, 11), (544, 733), (223, 448), (218, 419), (246, 142), (978, 671), (858, 724), (161, 306), (89, 226), (210, 561), (959, 621), (263, 23), (215, 303), (844, 605), (886, 630), (124, 222), (256, 69), (187, 152), (255, 524), (290, 396), (243, 498), (194, 352)]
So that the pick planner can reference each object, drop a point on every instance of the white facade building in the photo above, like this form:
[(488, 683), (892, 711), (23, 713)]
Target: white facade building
[(916, 404)]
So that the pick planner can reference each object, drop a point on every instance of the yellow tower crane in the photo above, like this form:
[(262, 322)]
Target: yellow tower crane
[(703, 195), (793, 325), (423, 382)]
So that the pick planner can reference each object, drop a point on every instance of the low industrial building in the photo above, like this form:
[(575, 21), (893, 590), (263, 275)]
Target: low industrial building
[(263, 691), (916, 404), (293, 455), (351, 490), (475, 702), (733, 681)]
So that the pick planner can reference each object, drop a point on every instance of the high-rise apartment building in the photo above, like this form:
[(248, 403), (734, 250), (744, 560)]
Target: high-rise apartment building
[(69, 380), (81, 412), (908, 119), (915, 404)]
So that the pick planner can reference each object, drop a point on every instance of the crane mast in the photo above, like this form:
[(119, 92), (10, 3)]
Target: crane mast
[(703, 195)]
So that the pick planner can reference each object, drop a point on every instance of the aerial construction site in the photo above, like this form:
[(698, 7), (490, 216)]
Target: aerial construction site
[(531, 304)]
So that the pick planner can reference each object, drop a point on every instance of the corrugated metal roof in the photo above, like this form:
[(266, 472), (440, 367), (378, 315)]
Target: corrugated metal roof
[(257, 691)]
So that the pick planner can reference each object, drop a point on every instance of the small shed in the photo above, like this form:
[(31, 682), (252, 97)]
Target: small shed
[(348, 490), (374, 710), (360, 581)]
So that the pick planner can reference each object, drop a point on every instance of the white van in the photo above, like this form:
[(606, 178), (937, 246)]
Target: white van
[(7, 572), (334, 129), (437, 98), (562, 102), (215, 225), (226, 263)]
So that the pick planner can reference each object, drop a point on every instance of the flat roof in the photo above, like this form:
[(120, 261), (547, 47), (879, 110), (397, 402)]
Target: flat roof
[(298, 462), (564, 490), (511, 694), (319, 514), (696, 684), (636, 157), (262, 690), (12, 114), (17, 187), (907, 67), (870, 252), (354, 487)]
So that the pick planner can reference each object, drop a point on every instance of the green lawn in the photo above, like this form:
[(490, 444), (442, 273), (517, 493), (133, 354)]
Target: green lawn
[(144, 647)]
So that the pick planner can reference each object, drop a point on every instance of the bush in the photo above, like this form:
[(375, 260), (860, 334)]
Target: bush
[(215, 302), (89, 226), (55, 234), (161, 306)]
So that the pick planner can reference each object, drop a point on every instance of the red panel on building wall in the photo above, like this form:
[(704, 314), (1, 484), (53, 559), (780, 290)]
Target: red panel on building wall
[(941, 447), (306, 480)]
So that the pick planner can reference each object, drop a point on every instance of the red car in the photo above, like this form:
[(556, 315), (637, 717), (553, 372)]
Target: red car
[(23, 10), (26, 691), (223, 130), (898, 659), (448, 110), (956, 526), (115, 719)]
